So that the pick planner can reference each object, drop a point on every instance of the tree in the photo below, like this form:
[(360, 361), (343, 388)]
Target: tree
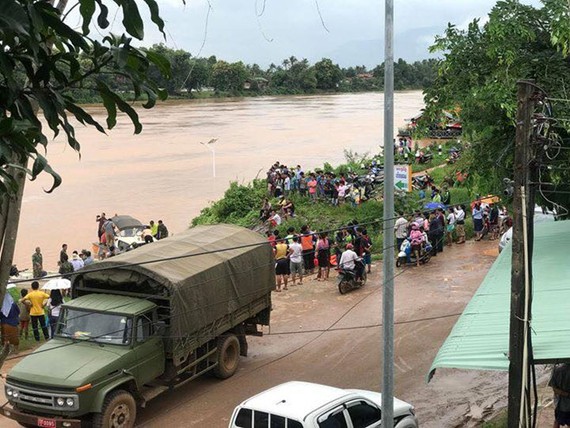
[(477, 78), (229, 77), (328, 75), (180, 67), (42, 61)]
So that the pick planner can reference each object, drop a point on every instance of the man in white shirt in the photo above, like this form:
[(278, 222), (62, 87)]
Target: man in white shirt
[(296, 260), (459, 212), (348, 259), (76, 262), (401, 229), (274, 219)]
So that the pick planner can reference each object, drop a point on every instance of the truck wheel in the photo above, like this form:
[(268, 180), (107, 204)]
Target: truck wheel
[(119, 411), (227, 356)]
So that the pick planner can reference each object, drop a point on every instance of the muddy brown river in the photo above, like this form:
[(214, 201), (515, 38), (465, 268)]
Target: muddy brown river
[(165, 173)]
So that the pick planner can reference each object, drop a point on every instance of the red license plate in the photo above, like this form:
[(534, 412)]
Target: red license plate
[(47, 423)]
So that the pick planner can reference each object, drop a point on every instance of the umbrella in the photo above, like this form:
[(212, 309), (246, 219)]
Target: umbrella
[(7, 304), (10, 286), (57, 284), (433, 205)]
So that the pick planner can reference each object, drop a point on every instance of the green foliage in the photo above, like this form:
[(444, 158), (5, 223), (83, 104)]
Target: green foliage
[(43, 59), (328, 75), (228, 77), (477, 78)]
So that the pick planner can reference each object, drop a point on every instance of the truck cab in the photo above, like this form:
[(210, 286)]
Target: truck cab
[(103, 342)]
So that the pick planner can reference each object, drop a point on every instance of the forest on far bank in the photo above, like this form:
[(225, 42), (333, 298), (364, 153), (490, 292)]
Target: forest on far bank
[(197, 77)]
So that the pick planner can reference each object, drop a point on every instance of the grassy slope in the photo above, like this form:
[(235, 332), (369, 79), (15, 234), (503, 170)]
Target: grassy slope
[(240, 205)]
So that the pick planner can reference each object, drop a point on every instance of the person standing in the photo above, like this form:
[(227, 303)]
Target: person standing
[(37, 314), (54, 307), (63, 257), (323, 256), (162, 230), (38, 263), (477, 214), (109, 228), (560, 384), (281, 265), (459, 212), (308, 251), (76, 262), (9, 320), (100, 219), (153, 228), (24, 318), (450, 226), (296, 260), (366, 246), (446, 196), (87, 258), (401, 230)]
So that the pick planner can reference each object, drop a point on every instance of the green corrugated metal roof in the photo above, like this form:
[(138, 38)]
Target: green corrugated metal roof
[(480, 338)]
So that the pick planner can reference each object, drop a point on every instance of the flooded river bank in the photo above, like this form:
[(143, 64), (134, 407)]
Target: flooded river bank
[(165, 173)]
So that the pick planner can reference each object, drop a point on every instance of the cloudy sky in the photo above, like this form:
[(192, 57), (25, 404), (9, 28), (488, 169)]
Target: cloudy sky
[(266, 31)]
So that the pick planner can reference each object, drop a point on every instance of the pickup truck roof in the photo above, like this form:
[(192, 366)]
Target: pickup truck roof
[(111, 303)]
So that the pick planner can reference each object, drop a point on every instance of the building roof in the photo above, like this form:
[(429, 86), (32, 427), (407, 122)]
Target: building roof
[(480, 338)]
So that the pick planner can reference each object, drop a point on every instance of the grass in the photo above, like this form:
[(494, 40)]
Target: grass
[(499, 421)]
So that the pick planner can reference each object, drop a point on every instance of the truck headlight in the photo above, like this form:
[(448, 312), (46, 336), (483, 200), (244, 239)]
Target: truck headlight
[(15, 393), (70, 402), (60, 402), (9, 392)]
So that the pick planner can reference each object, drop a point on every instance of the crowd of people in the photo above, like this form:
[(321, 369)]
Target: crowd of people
[(306, 252), (283, 181), (34, 307)]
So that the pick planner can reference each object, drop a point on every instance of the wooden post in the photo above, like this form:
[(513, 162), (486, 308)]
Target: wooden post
[(521, 181)]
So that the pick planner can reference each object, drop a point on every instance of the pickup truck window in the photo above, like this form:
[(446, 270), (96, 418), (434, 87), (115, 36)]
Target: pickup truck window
[(363, 414), (335, 419), (95, 326)]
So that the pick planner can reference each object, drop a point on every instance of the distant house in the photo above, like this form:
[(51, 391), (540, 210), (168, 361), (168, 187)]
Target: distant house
[(449, 127), (255, 84), (365, 76)]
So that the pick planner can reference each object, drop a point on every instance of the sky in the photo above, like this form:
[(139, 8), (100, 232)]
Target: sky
[(351, 31)]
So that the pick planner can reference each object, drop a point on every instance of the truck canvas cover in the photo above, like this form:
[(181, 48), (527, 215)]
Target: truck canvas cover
[(193, 274)]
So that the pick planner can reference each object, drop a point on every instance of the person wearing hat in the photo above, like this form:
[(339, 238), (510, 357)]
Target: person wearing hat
[(348, 260), (416, 239), (76, 262)]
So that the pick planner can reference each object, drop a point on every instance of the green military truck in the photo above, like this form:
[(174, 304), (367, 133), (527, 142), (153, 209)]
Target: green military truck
[(143, 323)]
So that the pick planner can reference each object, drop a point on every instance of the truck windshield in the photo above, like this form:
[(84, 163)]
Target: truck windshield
[(95, 326)]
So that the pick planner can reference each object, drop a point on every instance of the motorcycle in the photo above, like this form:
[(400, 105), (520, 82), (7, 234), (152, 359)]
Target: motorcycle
[(425, 255), (347, 280)]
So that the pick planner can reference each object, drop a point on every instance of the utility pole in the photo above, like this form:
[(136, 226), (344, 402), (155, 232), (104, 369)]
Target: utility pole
[(521, 272), (388, 253)]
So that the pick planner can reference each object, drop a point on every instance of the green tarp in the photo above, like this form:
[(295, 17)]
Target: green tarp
[(480, 338)]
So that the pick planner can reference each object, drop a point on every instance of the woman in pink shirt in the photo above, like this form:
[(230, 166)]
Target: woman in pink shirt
[(312, 185), (416, 238)]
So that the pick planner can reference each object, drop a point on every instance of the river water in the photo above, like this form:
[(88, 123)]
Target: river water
[(165, 173)]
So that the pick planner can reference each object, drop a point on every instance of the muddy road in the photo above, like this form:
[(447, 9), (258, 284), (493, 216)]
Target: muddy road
[(320, 336)]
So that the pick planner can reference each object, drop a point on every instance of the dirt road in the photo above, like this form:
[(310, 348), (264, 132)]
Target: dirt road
[(318, 335)]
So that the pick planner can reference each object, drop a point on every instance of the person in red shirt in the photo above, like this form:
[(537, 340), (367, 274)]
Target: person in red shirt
[(271, 238)]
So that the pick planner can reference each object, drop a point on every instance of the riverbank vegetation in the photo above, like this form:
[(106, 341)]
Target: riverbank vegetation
[(241, 203), (477, 79), (195, 77)]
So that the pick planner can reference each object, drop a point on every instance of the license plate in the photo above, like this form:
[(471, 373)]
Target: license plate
[(46, 423)]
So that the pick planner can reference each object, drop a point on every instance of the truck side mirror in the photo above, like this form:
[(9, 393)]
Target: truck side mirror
[(160, 328)]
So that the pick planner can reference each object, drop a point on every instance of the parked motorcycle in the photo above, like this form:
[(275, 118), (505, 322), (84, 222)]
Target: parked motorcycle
[(347, 280), (425, 256)]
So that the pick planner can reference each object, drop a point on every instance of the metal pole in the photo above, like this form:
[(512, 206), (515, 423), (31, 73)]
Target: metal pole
[(520, 265), (388, 265)]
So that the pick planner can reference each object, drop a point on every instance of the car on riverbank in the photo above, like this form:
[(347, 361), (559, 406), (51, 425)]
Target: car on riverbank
[(130, 232), (311, 405)]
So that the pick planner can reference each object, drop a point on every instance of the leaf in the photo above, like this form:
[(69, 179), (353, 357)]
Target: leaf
[(13, 18), (66, 32), (154, 15), (111, 98), (108, 102), (87, 9), (102, 17), (132, 19), (82, 116), (161, 63)]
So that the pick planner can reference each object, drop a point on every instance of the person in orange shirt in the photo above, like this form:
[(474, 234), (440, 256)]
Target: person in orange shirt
[(37, 313), (308, 249)]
